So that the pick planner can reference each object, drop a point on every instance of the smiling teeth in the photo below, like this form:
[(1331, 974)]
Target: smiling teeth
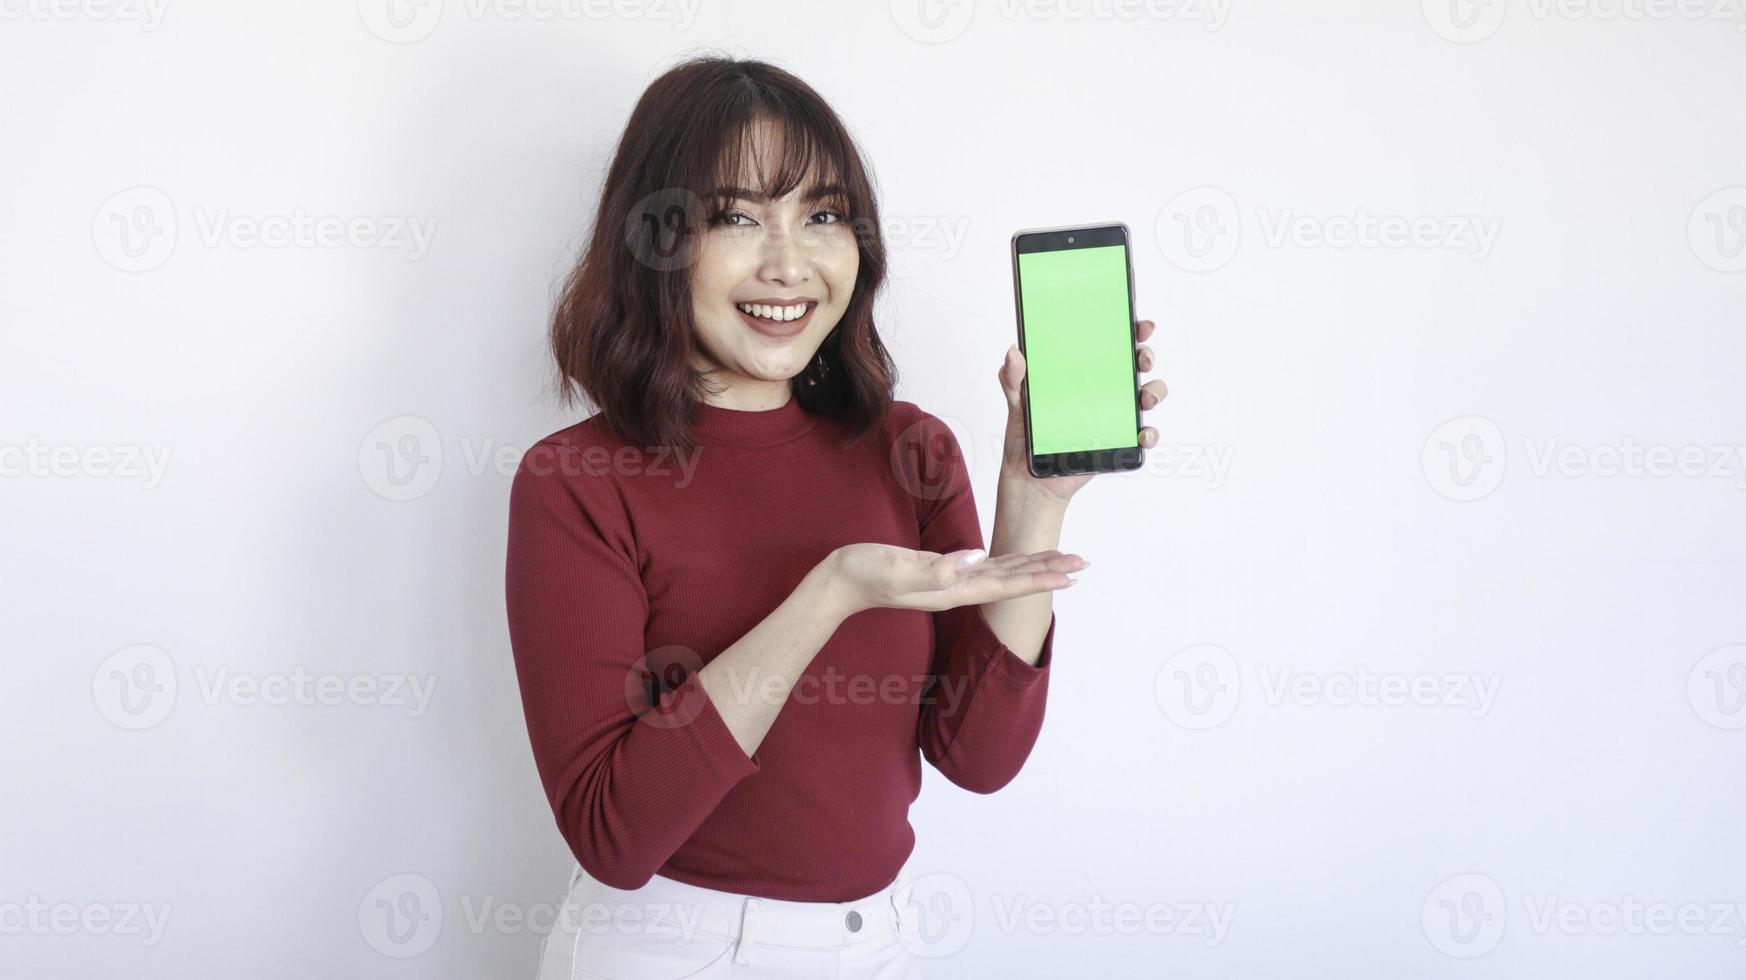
[(778, 313)]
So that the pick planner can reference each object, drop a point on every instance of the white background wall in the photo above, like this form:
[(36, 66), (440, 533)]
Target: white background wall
[(1355, 395)]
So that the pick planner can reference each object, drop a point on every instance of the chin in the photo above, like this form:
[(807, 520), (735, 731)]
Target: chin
[(770, 372)]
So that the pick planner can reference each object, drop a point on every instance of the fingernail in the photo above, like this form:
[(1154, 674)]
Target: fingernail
[(972, 558)]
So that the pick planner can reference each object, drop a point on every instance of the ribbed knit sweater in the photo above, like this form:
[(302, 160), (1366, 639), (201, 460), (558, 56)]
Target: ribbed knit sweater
[(626, 563)]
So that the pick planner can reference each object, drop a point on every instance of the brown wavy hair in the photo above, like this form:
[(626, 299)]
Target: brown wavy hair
[(622, 332)]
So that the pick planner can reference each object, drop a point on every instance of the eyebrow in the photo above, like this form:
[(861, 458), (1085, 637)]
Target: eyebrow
[(758, 197)]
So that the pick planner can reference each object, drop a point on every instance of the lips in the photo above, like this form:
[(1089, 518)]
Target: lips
[(783, 328)]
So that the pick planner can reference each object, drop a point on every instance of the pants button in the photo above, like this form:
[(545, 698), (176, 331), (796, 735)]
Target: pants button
[(853, 920)]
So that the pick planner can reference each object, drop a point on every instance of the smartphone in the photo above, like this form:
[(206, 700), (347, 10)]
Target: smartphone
[(1074, 289)]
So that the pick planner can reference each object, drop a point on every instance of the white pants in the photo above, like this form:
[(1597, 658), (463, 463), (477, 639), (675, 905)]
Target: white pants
[(670, 930)]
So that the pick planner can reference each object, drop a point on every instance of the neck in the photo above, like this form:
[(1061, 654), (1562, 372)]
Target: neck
[(745, 395), (738, 423)]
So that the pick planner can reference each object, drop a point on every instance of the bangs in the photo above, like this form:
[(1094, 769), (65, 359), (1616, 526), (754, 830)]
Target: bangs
[(767, 156)]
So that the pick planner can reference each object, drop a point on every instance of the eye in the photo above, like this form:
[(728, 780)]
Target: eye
[(728, 219), (837, 216)]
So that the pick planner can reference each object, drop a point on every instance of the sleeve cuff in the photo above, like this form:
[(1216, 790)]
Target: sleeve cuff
[(689, 708), (1006, 664)]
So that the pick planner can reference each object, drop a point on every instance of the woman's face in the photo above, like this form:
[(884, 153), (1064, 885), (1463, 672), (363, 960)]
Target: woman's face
[(771, 280)]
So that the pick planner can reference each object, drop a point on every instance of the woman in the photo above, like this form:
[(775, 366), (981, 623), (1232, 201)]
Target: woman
[(749, 595)]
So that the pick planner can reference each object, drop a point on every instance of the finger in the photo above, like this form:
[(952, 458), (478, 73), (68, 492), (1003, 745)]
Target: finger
[(1144, 329), (1148, 437), (979, 589), (1153, 392), (1012, 369), (1051, 561), (1033, 582), (1028, 562), (1146, 358), (1021, 556)]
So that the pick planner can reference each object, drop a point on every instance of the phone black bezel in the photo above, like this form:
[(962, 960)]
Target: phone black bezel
[(1117, 460)]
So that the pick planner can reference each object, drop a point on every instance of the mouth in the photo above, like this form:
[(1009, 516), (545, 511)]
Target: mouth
[(776, 318)]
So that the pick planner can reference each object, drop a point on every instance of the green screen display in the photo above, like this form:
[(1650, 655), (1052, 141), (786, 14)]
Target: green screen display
[(1079, 349)]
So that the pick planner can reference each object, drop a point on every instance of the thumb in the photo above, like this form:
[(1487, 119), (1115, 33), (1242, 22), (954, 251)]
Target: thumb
[(1012, 376), (947, 567)]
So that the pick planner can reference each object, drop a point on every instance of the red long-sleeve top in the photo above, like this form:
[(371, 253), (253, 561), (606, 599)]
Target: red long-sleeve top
[(628, 561)]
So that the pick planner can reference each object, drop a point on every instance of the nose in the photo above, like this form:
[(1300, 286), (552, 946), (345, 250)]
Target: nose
[(786, 261)]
